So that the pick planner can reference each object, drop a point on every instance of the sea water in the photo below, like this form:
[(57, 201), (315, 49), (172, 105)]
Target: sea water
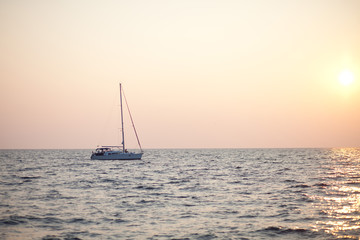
[(181, 194)]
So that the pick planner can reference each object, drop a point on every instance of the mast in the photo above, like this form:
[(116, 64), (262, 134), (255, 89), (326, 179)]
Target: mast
[(122, 120)]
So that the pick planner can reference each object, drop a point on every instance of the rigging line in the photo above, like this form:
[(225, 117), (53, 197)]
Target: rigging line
[(132, 122)]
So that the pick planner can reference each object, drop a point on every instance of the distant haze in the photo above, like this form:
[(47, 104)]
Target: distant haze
[(196, 74)]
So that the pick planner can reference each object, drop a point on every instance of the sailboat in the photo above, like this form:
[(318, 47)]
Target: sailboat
[(119, 152)]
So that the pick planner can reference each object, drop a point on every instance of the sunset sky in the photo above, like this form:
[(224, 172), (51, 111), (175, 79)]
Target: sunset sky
[(196, 74)]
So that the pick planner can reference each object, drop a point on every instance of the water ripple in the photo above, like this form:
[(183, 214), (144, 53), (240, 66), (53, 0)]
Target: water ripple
[(181, 194)]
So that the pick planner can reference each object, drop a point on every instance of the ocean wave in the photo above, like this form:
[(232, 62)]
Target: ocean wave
[(301, 232), (13, 220)]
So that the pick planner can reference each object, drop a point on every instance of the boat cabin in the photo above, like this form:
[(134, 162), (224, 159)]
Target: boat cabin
[(107, 150), (101, 151)]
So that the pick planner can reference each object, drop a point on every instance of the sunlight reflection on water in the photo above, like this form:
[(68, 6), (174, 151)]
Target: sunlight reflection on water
[(340, 201)]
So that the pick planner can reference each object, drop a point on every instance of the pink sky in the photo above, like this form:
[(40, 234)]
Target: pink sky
[(197, 74)]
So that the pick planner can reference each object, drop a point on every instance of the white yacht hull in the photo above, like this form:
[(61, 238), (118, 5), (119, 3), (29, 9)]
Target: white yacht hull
[(117, 156)]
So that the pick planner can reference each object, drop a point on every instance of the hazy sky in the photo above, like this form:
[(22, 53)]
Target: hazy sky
[(196, 73)]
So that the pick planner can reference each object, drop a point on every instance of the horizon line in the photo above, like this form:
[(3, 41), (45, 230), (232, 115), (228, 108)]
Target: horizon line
[(185, 148)]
